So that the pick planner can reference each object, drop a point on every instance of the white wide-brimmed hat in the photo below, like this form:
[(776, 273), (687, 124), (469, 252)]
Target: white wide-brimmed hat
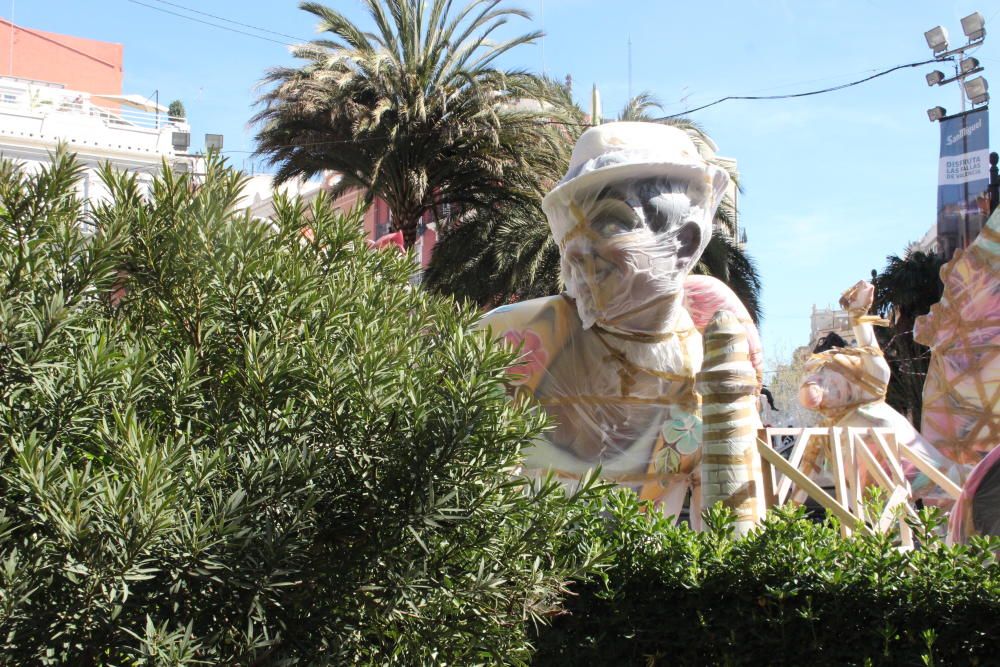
[(616, 152)]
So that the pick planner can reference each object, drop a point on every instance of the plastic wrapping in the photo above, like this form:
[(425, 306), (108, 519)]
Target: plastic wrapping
[(730, 464), (961, 408), (977, 511), (631, 217), (614, 359)]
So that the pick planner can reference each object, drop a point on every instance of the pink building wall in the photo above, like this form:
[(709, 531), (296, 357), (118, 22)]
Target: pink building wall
[(78, 63)]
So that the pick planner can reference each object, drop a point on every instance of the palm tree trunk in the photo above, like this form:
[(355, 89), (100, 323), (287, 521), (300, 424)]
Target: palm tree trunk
[(409, 229)]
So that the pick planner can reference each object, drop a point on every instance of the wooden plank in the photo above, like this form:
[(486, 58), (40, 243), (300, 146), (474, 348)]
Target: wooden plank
[(853, 463), (898, 497), (767, 473), (809, 486), (930, 470), (802, 442), (839, 477), (796, 460), (877, 471), (891, 459)]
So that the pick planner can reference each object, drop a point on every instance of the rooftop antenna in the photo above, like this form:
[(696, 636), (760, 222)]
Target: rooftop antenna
[(541, 18), (630, 68)]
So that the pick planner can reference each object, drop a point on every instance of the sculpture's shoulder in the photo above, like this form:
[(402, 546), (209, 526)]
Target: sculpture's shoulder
[(539, 328), (549, 316), (704, 296)]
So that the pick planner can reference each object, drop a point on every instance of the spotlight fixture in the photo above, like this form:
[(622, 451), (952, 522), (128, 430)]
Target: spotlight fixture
[(976, 90), (935, 77), (967, 65), (973, 26), (936, 113), (937, 39)]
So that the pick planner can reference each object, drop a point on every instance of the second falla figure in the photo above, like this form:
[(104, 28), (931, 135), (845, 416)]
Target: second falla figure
[(614, 358)]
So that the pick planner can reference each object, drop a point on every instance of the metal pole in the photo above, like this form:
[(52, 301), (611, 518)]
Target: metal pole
[(541, 16), (994, 189), (630, 68)]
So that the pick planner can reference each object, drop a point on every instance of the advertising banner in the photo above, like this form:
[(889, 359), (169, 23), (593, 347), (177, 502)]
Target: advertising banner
[(963, 179)]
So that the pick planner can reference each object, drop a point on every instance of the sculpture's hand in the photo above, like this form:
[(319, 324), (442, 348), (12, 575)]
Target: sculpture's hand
[(858, 299)]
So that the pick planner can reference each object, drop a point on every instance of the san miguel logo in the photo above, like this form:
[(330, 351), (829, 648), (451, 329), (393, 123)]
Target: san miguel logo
[(964, 132)]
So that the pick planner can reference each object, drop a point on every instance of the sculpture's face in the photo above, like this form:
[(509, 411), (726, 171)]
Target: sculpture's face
[(825, 389), (828, 386), (633, 244)]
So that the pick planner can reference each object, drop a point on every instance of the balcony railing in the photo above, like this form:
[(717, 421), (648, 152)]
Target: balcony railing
[(111, 114)]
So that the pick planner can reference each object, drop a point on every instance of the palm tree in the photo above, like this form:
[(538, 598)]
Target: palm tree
[(504, 253), (904, 290), (414, 112)]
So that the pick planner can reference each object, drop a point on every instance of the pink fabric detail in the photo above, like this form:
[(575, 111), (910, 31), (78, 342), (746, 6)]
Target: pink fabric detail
[(394, 239), (704, 296), (962, 512), (533, 359)]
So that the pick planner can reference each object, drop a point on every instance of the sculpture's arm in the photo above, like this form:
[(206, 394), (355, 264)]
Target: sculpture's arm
[(857, 301)]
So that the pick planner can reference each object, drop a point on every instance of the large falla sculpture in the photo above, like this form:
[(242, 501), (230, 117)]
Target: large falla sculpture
[(961, 409), (615, 359)]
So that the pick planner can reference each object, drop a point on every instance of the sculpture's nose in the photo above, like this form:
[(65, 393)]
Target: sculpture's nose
[(811, 395)]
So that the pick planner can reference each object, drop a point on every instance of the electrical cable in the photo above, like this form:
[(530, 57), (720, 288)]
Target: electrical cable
[(223, 18), (805, 94), (209, 23), (661, 118), (334, 142)]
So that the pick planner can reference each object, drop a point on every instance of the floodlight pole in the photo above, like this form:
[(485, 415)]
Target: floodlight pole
[(961, 76), (994, 189)]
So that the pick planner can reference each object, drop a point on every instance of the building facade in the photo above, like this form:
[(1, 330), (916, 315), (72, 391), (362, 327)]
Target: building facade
[(260, 191), (66, 91)]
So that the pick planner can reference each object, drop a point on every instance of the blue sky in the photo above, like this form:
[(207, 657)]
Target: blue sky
[(833, 183)]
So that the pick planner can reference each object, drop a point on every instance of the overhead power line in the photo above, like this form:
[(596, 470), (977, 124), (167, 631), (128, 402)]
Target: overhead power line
[(209, 23), (727, 98), (334, 142), (805, 94), (223, 18)]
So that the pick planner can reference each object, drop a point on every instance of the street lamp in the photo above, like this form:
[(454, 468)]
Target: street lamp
[(936, 113), (974, 27), (976, 90)]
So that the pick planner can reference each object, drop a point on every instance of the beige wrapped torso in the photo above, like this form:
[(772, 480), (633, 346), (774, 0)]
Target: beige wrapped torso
[(625, 404)]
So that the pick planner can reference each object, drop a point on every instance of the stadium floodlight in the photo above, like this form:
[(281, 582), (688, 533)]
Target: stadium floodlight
[(935, 77), (967, 65), (936, 113), (976, 90), (937, 39), (973, 26)]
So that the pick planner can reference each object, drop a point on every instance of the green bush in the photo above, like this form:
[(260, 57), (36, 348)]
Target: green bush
[(792, 593), (224, 442)]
